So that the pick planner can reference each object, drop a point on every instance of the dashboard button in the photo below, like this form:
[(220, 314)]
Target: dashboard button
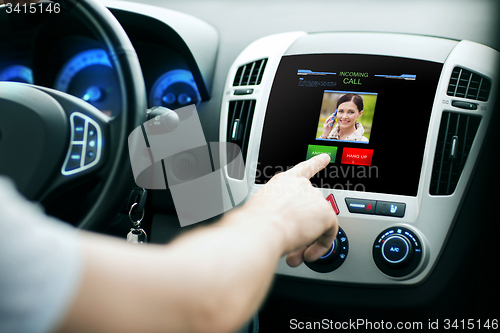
[(335, 257), (331, 255), (313, 150), (397, 252), (333, 203), (330, 252), (361, 206), (357, 156), (396, 249), (386, 208)]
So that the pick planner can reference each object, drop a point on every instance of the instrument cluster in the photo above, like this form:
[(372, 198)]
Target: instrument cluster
[(79, 65)]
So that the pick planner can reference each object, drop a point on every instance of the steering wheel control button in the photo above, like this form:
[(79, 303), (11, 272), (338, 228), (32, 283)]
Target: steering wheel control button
[(90, 155), (335, 257), (397, 251), (78, 129), (361, 206), (86, 144), (385, 208), (91, 132), (75, 157), (333, 203)]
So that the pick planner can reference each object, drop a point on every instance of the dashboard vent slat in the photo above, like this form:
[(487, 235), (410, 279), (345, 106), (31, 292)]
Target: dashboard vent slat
[(456, 135), (240, 118), (466, 84), (250, 74)]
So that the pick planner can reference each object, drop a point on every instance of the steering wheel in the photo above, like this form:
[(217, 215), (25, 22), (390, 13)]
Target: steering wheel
[(51, 141)]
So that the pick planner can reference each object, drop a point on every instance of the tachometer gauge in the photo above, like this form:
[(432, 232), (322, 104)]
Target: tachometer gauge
[(175, 89), (17, 73), (89, 75)]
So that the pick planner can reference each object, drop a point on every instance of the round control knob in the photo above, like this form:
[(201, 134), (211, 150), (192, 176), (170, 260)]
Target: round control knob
[(397, 251), (334, 257), (331, 255)]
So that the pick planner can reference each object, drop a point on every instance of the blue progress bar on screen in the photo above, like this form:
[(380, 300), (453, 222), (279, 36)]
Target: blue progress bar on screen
[(310, 72), (400, 77)]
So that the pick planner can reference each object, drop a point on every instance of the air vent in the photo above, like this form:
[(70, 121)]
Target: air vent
[(465, 84), (250, 74), (240, 117), (456, 134)]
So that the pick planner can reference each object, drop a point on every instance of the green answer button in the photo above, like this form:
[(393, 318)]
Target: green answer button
[(313, 150)]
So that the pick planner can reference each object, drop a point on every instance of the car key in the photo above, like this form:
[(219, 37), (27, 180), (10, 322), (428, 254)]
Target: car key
[(136, 234)]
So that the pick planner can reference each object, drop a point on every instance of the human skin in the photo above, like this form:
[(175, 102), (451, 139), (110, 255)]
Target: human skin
[(211, 279)]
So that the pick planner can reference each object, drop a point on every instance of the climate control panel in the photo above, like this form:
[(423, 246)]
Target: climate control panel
[(397, 251)]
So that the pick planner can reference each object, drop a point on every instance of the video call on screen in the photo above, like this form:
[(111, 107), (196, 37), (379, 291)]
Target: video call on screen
[(386, 140)]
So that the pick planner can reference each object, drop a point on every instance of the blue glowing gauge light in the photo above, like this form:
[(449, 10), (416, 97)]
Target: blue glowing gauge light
[(89, 75), (17, 73), (174, 90)]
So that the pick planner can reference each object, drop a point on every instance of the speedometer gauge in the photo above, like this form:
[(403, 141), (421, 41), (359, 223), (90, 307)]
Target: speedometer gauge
[(89, 75), (175, 89), (17, 73)]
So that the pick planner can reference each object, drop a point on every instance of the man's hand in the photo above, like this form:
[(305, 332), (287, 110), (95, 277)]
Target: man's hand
[(211, 279), (299, 210)]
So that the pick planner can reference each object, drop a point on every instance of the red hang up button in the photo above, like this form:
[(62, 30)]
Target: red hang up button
[(357, 156)]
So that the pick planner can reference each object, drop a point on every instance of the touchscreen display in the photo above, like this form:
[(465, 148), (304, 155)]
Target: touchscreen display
[(369, 113)]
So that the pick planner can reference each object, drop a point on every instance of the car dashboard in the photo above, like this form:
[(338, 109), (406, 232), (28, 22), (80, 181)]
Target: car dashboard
[(75, 62), (428, 133), (417, 223)]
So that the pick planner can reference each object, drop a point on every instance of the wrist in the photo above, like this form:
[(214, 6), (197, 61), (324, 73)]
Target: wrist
[(266, 227)]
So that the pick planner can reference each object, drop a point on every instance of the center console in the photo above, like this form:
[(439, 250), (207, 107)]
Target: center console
[(403, 119)]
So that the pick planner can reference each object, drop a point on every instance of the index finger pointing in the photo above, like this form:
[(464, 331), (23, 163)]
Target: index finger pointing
[(310, 167)]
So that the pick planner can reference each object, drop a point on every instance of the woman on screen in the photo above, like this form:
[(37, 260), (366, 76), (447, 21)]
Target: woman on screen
[(349, 109)]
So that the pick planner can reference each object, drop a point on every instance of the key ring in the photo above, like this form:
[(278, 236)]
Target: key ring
[(138, 222)]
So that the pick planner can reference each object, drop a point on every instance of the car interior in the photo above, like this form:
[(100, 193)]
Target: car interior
[(415, 196)]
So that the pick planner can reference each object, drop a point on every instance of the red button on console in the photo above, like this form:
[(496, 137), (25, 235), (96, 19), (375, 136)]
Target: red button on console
[(357, 156), (332, 202)]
